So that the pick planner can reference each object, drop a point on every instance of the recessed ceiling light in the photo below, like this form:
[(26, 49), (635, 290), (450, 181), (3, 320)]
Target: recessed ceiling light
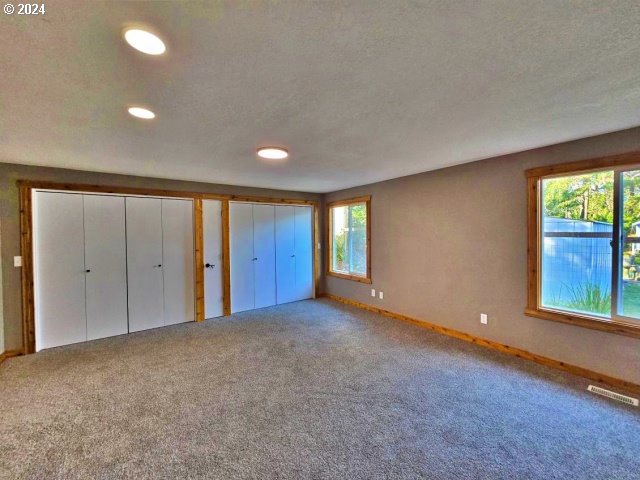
[(273, 153), (144, 41), (141, 113)]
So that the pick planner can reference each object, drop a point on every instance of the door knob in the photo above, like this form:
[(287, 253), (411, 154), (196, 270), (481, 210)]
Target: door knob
[(210, 265), (159, 265), (255, 258), (87, 271), (292, 256)]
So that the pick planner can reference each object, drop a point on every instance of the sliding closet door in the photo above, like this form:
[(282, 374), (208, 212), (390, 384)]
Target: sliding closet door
[(106, 265), (212, 232), (144, 263), (304, 253), (264, 251), (178, 259), (59, 269), (285, 254), (242, 258)]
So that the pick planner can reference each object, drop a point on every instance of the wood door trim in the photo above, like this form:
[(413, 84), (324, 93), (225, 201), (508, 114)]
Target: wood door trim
[(199, 258), (226, 260)]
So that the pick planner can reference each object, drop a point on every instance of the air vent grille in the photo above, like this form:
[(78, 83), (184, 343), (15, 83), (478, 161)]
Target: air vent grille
[(613, 395)]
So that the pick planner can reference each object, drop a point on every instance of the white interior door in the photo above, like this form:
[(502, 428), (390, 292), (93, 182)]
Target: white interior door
[(59, 269), (264, 251), (106, 265), (212, 232), (178, 260), (304, 252), (285, 254), (144, 263), (241, 252)]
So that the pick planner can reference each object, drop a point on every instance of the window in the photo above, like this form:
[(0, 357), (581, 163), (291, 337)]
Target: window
[(349, 239), (584, 243)]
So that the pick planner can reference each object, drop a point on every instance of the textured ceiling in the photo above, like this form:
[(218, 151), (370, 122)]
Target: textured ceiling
[(359, 91)]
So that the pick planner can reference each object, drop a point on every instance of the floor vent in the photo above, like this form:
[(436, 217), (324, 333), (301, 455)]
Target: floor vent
[(613, 395)]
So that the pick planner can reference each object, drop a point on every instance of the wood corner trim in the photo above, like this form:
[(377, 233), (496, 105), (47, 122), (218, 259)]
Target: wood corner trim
[(516, 352)]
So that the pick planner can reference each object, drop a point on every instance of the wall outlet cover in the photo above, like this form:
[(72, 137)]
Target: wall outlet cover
[(17, 261), (373, 292), (483, 318), (381, 295)]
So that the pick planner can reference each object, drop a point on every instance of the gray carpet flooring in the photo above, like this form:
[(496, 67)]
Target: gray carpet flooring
[(311, 389)]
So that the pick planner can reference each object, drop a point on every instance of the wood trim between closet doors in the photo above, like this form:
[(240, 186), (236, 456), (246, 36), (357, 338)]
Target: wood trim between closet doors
[(26, 187), (226, 261), (198, 233)]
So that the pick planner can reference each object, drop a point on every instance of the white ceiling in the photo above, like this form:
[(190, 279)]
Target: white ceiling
[(359, 91)]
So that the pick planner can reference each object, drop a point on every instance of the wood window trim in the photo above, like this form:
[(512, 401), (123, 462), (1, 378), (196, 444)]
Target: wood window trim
[(534, 179), (329, 239), (26, 187)]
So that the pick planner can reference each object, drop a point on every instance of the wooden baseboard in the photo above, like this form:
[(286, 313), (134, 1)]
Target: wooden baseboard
[(9, 354), (516, 352)]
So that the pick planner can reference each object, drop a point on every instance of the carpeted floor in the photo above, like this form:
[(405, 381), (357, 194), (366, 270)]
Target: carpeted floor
[(311, 389)]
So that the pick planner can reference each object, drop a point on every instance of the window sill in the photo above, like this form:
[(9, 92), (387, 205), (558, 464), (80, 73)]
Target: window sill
[(344, 276), (594, 323)]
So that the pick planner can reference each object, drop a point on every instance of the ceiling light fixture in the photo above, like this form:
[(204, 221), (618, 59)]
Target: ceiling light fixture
[(273, 153), (140, 112), (144, 41)]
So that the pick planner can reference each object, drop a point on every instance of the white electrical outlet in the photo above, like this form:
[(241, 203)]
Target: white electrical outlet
[(381, 295), (483, 318), (373, 292), (17, 261)]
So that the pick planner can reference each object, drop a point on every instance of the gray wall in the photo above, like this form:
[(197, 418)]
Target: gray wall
[(450, 244), (10, 224)]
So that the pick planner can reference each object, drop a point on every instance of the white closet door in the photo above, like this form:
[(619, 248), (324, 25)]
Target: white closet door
[(304, 253), (264, 251), (178, 259), (59, 269), (106, 265), (212, 232), (144, 263), (241, 252), (285, 254)]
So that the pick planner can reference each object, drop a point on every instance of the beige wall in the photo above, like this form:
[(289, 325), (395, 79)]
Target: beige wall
[(450, 244), (10, 226)]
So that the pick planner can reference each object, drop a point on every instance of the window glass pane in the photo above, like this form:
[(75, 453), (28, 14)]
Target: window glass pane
[(577, 230), (340, 223), (349, 239), (358, 239), (629, 291)]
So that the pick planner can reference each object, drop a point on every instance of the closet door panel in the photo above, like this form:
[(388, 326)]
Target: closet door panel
[(144, 263), (304, 252), (285, 254), (106, 260), (59, 269), (212, 231), (178, 261), (241, 252), (264, 249)]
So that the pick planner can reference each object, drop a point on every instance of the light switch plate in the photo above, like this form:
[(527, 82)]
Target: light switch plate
[(373, 292), (381, 295), (17, 261), (483, 318)]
